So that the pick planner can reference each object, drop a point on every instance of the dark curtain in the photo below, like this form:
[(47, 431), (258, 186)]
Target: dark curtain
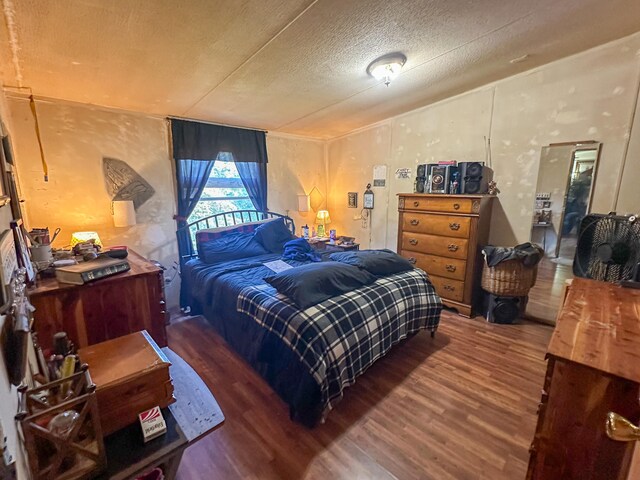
[(254, 178), (192, 176), (195, 149), (203, 141)]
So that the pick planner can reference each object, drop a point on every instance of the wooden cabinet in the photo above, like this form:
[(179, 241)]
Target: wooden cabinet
[(112, 307), (593, 368), (444, 235)]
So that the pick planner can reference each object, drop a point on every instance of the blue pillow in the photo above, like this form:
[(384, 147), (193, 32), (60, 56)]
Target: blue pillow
[(273, 235), (377, 262), (231, 246), (311, 284)]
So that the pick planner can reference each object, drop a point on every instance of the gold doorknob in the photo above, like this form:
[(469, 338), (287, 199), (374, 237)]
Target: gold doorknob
[(416, 204), (621, 429)]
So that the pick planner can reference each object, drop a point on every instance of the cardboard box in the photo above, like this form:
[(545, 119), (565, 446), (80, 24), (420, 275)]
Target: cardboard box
[(131, 374)]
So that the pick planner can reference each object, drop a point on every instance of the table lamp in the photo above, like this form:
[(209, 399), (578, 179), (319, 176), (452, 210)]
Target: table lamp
[(80, 237), (322, 219)]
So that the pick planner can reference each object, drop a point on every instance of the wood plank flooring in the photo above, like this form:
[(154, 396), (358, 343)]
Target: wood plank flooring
[(546, 295), (460, 406)]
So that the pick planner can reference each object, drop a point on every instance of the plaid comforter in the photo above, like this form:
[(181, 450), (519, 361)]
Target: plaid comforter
[(338, 339)]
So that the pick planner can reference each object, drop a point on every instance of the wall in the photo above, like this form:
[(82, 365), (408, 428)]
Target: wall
[(296, 165), (76, 137), (589, 96)]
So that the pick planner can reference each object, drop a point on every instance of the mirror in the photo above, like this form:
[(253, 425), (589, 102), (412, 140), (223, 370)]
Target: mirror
[(563, 197)]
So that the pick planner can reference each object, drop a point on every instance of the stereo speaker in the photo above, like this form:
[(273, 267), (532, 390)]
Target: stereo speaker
[(420, 184), (504, 309), (440, 178), (474, 177), (422, 170)]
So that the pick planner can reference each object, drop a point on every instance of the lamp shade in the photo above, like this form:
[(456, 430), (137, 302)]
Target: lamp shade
[(124, 213), (303, 203), (81, 237), (323, 217)]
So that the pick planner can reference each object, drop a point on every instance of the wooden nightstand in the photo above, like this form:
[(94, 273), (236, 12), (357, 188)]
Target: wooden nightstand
[(109, 308), (342, 247)]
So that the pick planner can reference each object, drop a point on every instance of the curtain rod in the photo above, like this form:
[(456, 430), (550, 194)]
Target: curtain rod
[(171, 117)]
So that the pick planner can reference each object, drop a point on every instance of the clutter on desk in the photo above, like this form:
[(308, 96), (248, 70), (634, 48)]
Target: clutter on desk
[(61, 428)]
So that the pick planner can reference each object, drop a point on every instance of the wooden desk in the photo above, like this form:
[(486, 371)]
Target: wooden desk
[(109, 308), (194, 415), (593, 368)]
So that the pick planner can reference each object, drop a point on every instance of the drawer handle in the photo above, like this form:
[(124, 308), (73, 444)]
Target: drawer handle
[(415, 222), (450, 268), (452, 247), (620, 429), (416, 204), (454, 226), (449, 288), (456, 206), (413, 241), (412, 260)]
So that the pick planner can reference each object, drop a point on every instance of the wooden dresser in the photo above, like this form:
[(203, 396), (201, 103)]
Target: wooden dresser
[(593, 368), (444, 235), (112, 307)]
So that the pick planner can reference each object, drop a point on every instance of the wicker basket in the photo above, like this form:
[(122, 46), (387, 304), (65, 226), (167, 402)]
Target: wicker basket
[(510, 278)]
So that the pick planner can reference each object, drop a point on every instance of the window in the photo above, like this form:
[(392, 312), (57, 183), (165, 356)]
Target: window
[(224, 191)]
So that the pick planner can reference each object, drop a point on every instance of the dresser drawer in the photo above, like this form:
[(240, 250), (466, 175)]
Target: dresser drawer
[(445, 225), (439, 204), (435, 245), (448, 288), (435, 265)]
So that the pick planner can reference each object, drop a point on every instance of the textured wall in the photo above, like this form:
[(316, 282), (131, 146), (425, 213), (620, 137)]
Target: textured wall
[(76, 138), (589, 96), (296, 165)]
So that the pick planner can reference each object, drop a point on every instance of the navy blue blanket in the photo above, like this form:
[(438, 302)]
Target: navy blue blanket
[(215, 290)]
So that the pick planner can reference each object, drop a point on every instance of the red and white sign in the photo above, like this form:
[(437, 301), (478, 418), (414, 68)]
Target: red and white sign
[(152, 423)]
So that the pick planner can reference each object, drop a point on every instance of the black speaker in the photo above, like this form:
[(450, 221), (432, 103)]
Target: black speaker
[(504, 309), (440, 177), (420, 184), (422, 170), (474, 177)]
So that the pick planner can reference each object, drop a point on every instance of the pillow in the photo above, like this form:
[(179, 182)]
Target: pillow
[(207, 234), (273, 235), (377, 262), (232, 246), (311, 284)]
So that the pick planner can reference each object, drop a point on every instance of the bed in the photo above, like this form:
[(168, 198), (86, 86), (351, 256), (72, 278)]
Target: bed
[(308, 356)]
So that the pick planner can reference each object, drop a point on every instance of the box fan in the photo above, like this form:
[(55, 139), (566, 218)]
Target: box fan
[(609, 249)]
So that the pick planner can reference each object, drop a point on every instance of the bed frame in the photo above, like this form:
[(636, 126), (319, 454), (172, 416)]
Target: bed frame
[(229, 219)]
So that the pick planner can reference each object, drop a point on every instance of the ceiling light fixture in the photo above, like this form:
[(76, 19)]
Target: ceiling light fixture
[(387, 67)]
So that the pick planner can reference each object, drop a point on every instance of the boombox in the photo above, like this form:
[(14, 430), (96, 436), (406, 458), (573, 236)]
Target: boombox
[(439, 177), (474, 177)]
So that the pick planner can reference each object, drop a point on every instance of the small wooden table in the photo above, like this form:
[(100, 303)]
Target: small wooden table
[(194, 415)]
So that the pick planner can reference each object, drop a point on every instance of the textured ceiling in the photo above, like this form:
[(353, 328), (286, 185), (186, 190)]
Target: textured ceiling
[(296, 66)]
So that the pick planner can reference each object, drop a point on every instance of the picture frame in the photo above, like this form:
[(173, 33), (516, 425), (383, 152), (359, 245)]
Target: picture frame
[(352, 200)]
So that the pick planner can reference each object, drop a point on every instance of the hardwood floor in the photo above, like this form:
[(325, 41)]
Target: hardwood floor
[(546, 295), (460, 406)]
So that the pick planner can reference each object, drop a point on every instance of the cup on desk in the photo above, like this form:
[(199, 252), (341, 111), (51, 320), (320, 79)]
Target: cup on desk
[(41, 253)]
